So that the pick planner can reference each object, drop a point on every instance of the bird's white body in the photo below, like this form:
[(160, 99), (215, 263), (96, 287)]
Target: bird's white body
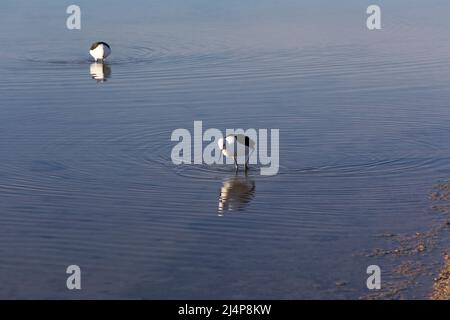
[(100, 51), (237, 146)]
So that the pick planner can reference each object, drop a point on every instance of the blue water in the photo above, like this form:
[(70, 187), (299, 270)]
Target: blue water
[(86, 176)]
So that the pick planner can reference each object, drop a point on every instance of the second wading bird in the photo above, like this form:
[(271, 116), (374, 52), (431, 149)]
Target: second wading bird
[(100, 51), (236, 146)]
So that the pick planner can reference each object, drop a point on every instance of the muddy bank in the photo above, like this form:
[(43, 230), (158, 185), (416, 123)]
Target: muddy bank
[(441, 288), (415, 259)]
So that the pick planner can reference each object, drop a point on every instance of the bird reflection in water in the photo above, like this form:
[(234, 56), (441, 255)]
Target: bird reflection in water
[(100, 71), (236, 193)]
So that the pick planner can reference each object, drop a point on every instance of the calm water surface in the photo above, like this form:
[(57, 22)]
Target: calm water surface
[(86, 176)]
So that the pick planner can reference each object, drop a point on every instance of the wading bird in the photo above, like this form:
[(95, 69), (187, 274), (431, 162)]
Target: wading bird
[(237, 146), (100, 51)]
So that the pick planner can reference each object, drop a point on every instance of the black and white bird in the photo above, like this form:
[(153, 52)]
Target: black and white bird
[(237, 146), (100, 51)]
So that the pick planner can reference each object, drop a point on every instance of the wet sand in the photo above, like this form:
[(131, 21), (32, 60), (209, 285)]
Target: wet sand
[(416, 256), (441, 288)]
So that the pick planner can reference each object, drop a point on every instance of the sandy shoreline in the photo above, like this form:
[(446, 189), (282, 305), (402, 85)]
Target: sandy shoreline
[(417, 266), (441, 287)]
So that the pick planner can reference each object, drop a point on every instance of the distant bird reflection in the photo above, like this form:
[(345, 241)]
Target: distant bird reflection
[(236, 193), (100, 71)]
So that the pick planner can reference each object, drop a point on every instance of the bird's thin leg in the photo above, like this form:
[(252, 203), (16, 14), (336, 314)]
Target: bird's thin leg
[(246, 160)]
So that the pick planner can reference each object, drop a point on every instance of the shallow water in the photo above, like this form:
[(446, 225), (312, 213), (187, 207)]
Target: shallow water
[(86, 176)]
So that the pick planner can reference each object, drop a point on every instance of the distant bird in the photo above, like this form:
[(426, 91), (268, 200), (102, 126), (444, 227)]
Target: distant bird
[(100, 50), (237, 146)]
